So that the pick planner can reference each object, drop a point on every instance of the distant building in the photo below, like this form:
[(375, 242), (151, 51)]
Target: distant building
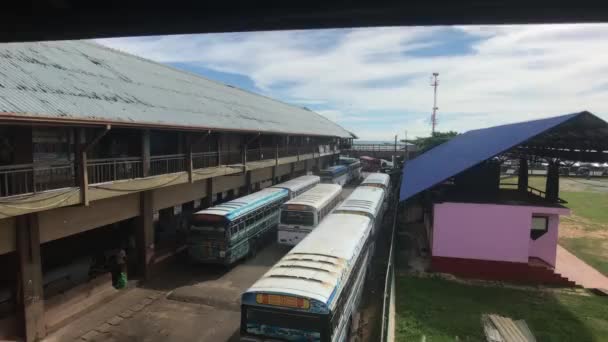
[(474, 226)]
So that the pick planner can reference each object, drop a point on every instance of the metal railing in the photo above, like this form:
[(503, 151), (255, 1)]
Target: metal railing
[(31, 178), (390, 271), (112, 169), (378, 147), (231, 157), (203, 160), (167, 164)]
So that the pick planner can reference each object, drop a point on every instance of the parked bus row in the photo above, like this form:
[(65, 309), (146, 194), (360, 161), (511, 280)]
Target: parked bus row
[(230, 231), (314, 291)]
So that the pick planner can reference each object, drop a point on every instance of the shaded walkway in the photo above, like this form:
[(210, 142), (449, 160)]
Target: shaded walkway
[(573, 268)]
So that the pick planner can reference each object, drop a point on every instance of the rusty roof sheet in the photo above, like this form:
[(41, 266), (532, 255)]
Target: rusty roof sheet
[(80, 81)]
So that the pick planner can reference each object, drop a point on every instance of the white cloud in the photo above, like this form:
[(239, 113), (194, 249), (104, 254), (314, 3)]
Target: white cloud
[(511, 73)]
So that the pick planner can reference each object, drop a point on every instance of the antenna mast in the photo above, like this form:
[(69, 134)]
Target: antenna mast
[(434, 84)]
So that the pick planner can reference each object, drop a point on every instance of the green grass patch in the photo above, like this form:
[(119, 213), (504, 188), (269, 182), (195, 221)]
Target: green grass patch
[(590, 205), (443, 310), (591, 250)]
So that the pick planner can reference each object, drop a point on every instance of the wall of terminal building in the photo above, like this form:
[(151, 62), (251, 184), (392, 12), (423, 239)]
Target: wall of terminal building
[(74, 241)]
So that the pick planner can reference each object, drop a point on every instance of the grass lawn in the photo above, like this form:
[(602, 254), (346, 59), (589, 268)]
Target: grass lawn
[(585, 233), (442, 310)]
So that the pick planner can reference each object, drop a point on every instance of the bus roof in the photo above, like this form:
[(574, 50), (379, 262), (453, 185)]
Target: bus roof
[(298, 183), (377, 178), (245, 204), (318, 196), (316, 266), (365, 199), (335, 168)]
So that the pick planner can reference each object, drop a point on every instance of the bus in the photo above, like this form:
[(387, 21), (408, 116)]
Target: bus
[(302, 214), (354, 168), (367, 201), (378, 180), (299, 185), (314, 291), (335, 174), (230, 231)]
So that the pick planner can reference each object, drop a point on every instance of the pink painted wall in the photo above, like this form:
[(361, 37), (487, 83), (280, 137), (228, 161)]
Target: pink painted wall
[(545, 246), (492, 232)]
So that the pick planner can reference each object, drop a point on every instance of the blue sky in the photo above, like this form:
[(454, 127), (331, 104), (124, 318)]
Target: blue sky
[(376, 81)]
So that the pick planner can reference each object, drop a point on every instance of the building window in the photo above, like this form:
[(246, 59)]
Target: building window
[(540, 226)]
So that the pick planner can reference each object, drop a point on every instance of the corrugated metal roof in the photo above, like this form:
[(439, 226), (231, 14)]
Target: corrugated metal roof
[(80, 80), (469, 149)]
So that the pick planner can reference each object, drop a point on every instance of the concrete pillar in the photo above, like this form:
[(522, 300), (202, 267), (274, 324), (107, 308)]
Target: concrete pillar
[(292, 168), (274, 175), (30, 304), (522, 179), (145, 152), (552, 185), (208, 201), (145, 234), (248, 182)]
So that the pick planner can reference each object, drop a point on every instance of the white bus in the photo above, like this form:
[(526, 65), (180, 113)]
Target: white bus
[(299, 185), (378, 180), (299, 216), (314, 291), (367, 201)]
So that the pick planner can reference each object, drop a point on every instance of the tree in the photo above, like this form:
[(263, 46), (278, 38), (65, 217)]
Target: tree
[(426, 143)]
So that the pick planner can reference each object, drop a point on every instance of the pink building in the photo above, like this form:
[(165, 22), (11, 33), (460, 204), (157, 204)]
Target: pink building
[(477, 227)]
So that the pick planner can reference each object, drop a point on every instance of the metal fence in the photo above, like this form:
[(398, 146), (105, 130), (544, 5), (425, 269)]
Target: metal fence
[(203, 160), (111, 169), (170, 163), (390, 271), (30, 178)]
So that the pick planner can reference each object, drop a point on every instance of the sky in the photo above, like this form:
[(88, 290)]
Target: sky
[(375, 82)]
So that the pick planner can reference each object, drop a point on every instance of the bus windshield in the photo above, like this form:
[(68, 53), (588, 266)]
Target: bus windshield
[(305, 218), (282, 325), (207, 226)]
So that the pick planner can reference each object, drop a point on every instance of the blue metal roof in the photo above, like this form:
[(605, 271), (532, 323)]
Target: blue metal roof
[(469, 149)]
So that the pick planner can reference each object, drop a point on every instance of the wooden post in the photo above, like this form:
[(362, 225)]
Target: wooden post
[(522, 179), (83, 178), (30, 305), (189, 165), (145, 152), (145, 234), (552, 183)]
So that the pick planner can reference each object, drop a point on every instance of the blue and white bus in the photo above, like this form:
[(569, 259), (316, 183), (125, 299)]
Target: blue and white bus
[(230, 231), (314, 291), (335, 174), (299, 216), (354, 168), (299, 185)]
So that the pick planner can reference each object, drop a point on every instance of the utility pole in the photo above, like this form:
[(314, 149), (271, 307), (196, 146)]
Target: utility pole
[(407, 151), (434, 84)]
